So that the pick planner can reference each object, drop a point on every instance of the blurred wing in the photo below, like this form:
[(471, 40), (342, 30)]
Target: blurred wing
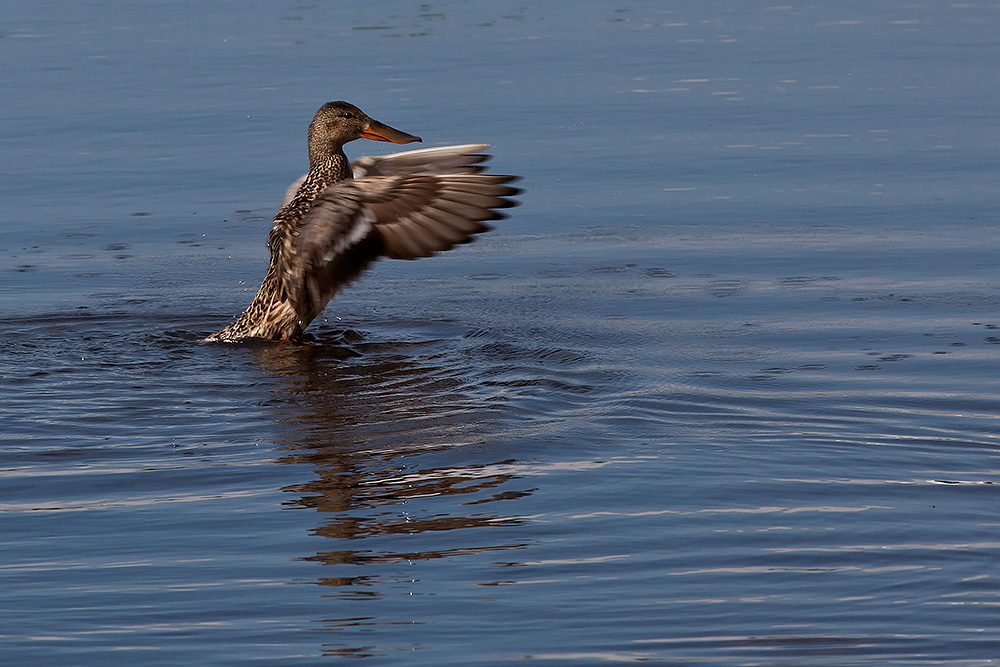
[(425, 161), (355, 222)]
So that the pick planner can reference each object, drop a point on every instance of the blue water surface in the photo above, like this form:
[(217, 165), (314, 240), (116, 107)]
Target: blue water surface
[(723, 390)]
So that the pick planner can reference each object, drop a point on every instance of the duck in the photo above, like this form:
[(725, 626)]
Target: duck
[(341, 216)]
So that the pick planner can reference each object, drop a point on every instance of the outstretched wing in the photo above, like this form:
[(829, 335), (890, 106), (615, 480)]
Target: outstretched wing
[(462, 159), (429, 214), (355, 222)]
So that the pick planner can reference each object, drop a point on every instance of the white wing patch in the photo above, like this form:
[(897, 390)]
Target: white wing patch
[(363, 223)]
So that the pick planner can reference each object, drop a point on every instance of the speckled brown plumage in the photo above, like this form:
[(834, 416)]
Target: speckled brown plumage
[(340, 217)]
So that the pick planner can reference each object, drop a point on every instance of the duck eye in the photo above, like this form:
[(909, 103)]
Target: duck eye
[(348, 115)]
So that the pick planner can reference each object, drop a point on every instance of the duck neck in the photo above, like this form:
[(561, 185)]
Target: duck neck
[(330, 166), (323, 172)]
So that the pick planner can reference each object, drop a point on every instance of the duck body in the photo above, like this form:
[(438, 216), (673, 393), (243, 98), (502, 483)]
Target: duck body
[(339, 218)]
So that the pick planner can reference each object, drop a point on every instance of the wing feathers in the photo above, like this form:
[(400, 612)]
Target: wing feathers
[(439, 212), (414, 212), (442, 160)]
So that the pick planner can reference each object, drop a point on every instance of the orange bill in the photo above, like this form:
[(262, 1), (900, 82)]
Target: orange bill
[(382, 132)]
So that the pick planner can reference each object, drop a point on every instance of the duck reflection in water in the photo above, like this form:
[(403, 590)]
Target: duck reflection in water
[(389, 435)]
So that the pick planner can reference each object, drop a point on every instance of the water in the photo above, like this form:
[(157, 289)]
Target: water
[(723, 390)]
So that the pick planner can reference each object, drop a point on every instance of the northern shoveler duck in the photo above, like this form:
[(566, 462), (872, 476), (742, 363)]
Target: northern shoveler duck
[(342, 216)]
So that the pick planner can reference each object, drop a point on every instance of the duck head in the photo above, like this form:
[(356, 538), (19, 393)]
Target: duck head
[(337, 123)]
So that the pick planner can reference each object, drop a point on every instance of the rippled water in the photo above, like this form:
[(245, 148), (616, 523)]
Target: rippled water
[(723, 390)]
